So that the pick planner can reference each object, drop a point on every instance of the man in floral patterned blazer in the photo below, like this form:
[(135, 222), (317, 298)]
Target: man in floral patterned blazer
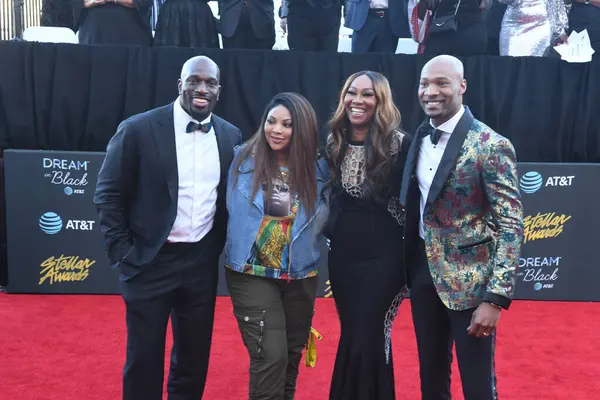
[(464, 232)]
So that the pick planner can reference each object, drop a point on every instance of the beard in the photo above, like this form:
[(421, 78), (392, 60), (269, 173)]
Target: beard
[(198, 114)]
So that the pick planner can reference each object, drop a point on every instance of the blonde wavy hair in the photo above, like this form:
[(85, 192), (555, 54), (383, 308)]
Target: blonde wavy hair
[(380, 149)]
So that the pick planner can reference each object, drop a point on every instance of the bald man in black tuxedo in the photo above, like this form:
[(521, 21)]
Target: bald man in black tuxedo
[(161, 201)]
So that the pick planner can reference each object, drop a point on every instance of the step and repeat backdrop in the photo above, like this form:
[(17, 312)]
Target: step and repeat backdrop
[(55, 244), (561, 215)]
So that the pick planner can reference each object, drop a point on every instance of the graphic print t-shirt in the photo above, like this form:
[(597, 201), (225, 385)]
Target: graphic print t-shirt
[(270, 253)]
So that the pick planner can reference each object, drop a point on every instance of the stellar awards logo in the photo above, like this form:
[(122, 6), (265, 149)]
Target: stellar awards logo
[(65, 269)]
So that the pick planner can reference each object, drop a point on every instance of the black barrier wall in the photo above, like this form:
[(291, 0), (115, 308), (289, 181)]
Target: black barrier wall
[(100, 86), (55, 244)]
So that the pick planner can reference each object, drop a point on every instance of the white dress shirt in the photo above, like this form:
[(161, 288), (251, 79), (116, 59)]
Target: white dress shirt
[(199, 171), (430, 156)]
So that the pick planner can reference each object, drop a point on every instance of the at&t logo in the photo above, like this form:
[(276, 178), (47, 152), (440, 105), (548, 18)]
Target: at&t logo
[(51, 223), (532, 181)]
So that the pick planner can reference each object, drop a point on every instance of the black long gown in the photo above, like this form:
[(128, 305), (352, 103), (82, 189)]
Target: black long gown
[(186, 23), (113, 24), (367, 281)]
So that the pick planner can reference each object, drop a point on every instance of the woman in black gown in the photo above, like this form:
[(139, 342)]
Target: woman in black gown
[(186, 23), (114, 22), (366, 151)]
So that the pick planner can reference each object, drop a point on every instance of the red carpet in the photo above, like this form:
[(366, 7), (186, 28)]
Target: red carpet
[(72, 348)]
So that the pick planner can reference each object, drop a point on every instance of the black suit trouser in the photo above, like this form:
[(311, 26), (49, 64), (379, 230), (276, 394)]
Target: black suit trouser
[(180, 283), (308, 34), (245, 38), (376, 35), (437, 328)]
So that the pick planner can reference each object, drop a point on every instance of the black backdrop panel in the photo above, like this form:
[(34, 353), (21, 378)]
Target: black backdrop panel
[(3, 269), (55, 244), (54, 241), (559, 258), (72, 97)]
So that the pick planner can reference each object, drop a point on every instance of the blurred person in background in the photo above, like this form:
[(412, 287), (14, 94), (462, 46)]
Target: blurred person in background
[(455, 27), (185, 23), (312, 25), (121, 22), (532, 27), (377, 25), (57, 13), (585, 14), (493, 18), (247, 24)]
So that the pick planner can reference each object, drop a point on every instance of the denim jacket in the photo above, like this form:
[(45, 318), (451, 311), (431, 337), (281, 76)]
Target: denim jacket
[(245, 218)]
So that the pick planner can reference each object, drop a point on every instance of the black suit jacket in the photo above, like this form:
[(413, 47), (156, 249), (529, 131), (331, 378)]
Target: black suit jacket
[(137, 189), (261, 13)]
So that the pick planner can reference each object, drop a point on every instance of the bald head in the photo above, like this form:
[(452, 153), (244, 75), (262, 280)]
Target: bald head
[(441, 88), (199, 87), (447, 64), (200, 62)]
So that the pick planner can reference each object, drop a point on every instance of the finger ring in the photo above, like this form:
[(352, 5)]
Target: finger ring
[(486, 334)]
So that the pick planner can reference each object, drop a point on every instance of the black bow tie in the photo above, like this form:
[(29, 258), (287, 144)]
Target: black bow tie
[(192, 126), (434, 135)]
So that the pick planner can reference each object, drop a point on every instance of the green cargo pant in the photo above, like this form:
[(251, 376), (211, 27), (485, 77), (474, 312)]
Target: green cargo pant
[(274, 317)]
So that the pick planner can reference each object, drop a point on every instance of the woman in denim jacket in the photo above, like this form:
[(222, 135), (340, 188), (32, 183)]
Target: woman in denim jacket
[(278, 203)]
